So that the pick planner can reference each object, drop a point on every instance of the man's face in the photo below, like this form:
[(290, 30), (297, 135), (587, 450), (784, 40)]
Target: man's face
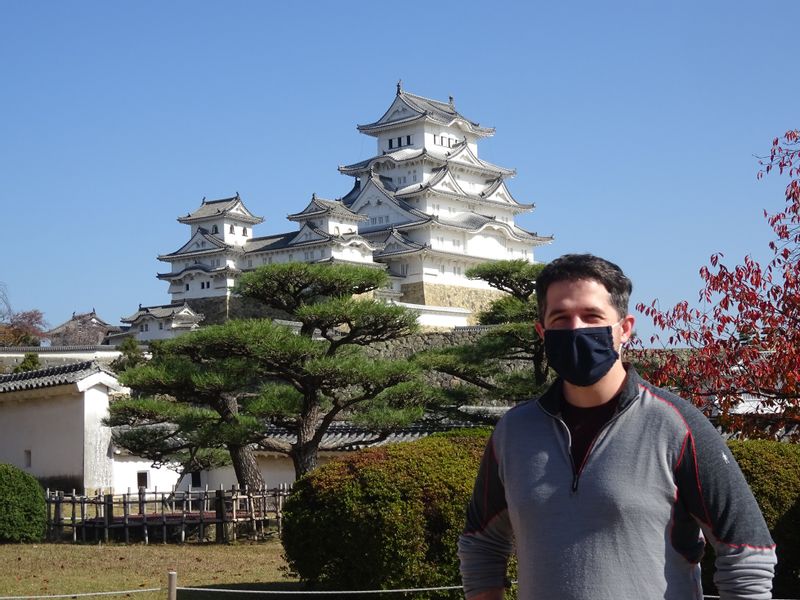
[(583, 303)]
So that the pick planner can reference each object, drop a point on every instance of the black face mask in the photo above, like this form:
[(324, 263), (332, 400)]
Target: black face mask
[(580, 356)]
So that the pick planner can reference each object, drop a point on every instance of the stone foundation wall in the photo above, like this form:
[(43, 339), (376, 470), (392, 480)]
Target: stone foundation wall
[(449, 295), (409, 345), (221, 309)]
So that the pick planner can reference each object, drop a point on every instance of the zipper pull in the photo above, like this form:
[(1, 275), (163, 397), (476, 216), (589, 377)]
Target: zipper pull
[(574, 482)]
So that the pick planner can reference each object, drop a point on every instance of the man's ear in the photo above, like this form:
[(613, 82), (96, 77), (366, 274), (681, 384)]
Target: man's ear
[(539, 329), (626, 328)]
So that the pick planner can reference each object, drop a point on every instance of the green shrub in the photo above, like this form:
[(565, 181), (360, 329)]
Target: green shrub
[(390, 517), (773, 471), (22, 506), (384, 518)]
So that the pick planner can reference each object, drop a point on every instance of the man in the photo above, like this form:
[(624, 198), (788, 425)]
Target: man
[(605, 482)]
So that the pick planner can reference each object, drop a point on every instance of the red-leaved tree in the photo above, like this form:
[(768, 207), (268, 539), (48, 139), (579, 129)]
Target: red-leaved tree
[(24, 328), (743, 348)]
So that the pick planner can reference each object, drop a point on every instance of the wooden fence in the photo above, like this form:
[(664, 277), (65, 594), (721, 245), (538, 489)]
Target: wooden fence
[(176, 515)]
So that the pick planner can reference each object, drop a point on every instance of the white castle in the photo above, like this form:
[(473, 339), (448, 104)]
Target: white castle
[(425, 207)]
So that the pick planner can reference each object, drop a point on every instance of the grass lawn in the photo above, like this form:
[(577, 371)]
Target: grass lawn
[(38, 569)]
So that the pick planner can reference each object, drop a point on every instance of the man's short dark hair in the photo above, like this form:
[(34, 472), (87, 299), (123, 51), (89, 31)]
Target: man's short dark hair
[(576, 267)]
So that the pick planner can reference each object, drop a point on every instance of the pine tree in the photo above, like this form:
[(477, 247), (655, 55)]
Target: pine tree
[(226, 387), (507, 363)]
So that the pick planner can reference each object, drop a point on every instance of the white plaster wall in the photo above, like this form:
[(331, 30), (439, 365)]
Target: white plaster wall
[(154, 333), (416, 133), (53, 356), (50, 425), (352, 253), (487, 243), (442, 207), (126, 467), (275, 469), (439, 316), (97, 459), (237, 238)]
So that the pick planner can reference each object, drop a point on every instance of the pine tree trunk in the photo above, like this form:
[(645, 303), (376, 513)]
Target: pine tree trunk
[(304, 459), (246, 467), (305, 451)]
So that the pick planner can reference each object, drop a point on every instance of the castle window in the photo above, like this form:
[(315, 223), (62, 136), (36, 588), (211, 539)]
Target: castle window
[(435, 139), (404, 269), (408, 140), (215, 229), (441, 268), (391, 143), (232, 230), (399, 142), (142, 478), (160, 325), (249, 262), (336, 230), (244, 231), (187, 287)]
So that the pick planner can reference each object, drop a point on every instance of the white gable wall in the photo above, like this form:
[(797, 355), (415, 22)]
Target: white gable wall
[(48, 423)]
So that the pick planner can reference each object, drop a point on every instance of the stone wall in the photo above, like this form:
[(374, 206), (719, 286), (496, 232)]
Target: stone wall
[(449, 295), (409, 345), (219, 310)]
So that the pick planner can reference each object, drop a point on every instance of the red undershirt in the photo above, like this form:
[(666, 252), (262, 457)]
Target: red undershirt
[(584, 424)]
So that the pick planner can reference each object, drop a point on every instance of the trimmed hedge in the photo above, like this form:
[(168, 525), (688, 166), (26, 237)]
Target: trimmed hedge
[(22, 506), (386, 517), (389, 517), (773, 471)]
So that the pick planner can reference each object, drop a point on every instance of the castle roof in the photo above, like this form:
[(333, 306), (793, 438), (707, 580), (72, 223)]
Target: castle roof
[(226, 207), (320, 206), (164, 311), (449, 185), (88, 319), (409, 108), (197, 246), (197, 267), (293, 239)]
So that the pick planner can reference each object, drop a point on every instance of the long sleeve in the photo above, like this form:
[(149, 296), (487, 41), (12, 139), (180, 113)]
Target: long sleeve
[(714, 492), (486, 543)]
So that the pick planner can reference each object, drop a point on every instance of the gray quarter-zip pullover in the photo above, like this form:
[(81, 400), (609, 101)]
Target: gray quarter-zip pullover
[(624, 525)]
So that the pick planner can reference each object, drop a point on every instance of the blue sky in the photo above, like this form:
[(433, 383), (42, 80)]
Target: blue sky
[(632, 125)]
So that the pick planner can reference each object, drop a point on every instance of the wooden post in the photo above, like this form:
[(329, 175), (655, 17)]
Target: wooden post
[(279, 508), (251, 514), (58, 517), (72, 517), (83, 517), (172, 585), (183, 514), (48, 506), (164, 515), (143, 512), (108, 514), (234, 502), (125, 510), (203, 497), (220, 516)]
